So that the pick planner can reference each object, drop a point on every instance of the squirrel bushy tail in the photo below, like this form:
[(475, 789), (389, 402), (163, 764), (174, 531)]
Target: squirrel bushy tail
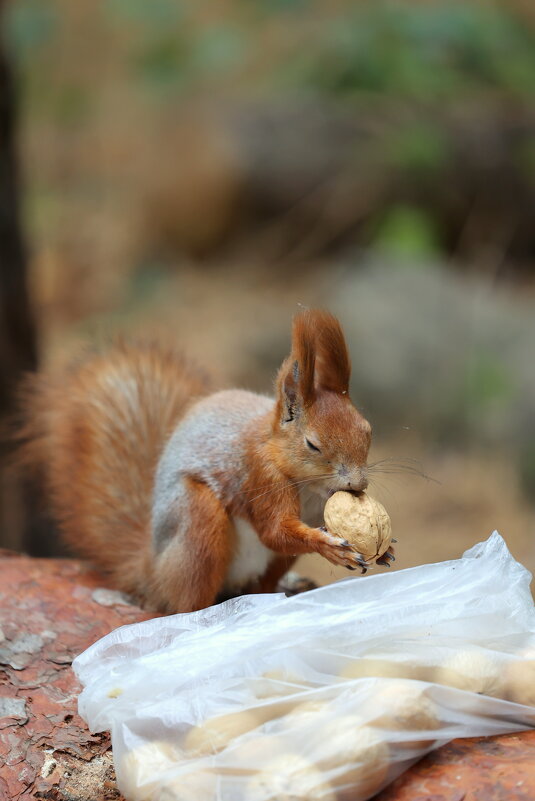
[(95, 434)]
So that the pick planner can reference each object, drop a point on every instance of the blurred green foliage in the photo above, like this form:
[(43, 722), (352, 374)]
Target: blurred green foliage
[(155, 14), (163, 60), (407, 232), (426, 52), (487, 382), (421, 147), (430, 51)]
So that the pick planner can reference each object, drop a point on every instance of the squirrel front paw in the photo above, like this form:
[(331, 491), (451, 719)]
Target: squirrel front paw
[(338, 550)]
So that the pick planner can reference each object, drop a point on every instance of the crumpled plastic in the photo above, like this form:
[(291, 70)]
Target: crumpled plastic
[(327, 695)]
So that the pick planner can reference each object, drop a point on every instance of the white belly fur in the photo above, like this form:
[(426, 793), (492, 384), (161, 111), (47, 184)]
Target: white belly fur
[(251, 557)]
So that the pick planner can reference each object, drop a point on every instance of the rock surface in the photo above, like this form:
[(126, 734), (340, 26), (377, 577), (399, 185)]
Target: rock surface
[(50, 611)]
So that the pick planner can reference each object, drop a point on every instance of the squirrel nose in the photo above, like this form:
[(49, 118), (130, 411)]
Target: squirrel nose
[(358, 485), (356, 480)]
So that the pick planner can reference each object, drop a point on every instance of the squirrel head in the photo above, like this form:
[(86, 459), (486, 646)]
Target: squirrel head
[(319, 434)]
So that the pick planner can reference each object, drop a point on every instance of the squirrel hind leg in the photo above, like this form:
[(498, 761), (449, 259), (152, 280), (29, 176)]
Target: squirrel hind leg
[(189, 572), (269, 581)]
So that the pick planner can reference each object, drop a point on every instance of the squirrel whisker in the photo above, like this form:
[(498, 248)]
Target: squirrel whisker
[(380, 485), (291, 484), (393, 466)]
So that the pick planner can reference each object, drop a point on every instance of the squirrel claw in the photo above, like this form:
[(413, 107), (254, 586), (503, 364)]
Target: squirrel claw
[(383, 561), (393, 540), (364, 571), (349, 567)]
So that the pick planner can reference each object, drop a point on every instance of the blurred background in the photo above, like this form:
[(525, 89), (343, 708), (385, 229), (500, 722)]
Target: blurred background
[(198, 169)]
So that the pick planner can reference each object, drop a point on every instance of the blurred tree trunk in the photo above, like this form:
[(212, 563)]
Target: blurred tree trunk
[(17, 333)]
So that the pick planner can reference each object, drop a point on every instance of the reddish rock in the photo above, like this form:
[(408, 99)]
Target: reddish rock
[(50, 611), (478, 769)]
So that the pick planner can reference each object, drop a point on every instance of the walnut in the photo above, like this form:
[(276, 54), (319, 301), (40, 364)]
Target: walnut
[(370, 666), (277, 682), (215, 734), (140, 769), (250, 755), (520, 678), (472, 670), (198, 785), (361, 520), (355, 757), (405, 708), (288, 778)]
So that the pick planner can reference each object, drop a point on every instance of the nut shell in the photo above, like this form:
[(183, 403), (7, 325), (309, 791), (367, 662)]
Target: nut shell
[(376, 667), (140, 769), (289, 778), (277, 682), (355, 756), (361, 520), (214, 734), (472, 670), (403, 706), (520, 678), (194, 786)]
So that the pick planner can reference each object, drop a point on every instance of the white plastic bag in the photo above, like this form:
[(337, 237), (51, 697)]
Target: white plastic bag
[(326, 695)]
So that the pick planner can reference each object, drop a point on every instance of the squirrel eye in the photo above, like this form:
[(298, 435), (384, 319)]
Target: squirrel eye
[(312, 446)]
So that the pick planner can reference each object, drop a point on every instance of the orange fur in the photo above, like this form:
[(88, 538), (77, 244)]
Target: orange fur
[(334, 365), (99, 433), (190, 573), (96, 434)]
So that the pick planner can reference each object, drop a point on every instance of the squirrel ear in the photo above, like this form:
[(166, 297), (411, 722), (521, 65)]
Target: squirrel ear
[(333, 363), (296, 376), (289, 390)]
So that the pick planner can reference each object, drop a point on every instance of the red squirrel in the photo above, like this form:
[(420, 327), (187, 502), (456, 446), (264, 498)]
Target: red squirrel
[(183, 496)]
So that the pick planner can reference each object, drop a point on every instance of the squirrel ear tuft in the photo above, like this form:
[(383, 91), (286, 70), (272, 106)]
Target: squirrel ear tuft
[(333, 369), (304, 356)]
